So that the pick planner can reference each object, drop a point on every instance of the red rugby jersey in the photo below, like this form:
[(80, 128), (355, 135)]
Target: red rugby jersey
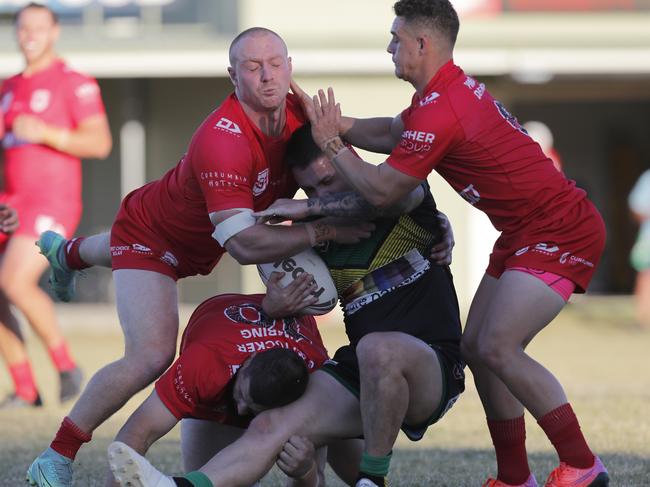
[(60, 97), (229, 163), (222, 333), (480, 149)]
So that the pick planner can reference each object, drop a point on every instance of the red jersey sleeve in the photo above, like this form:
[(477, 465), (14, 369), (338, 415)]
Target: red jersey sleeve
[(223, 165), (197, 377), (84, 97), (429, 133)]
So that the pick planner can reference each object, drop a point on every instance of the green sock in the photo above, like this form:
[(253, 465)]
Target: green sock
[(376, 466), (196, 479)]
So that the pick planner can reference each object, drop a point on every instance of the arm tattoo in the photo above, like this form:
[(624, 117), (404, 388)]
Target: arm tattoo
[(348, 204), (323, 232), (333, 146)]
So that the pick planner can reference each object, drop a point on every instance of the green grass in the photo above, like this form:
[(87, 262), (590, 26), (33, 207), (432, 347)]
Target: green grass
[(593, 348)]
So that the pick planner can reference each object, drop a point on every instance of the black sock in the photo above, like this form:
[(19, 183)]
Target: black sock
[(182, 482)]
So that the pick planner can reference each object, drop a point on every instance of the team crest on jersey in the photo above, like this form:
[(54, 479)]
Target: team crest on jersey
[(429, 99), (40, 100), (511, 119), (261, 183), (5, 102), (228, 126)]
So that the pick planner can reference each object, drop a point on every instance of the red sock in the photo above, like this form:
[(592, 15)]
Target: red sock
[(61, 357), (69, 439), (72, 257), (24, 382), (562, 428), (509, 439)]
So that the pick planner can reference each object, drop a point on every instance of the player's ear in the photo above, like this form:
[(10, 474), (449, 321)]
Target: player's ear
[(233, 75)]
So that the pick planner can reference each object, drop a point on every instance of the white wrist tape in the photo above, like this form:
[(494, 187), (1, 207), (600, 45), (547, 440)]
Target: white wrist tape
[(233, 225)]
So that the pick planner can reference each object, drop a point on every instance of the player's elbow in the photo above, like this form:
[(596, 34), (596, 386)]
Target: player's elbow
[(382, 200), (241, 251)]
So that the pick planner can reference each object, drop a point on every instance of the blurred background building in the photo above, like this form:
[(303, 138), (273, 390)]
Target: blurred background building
[(582, 67)]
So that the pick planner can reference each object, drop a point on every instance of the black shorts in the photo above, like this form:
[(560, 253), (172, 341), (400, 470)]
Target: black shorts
[(426, 309)]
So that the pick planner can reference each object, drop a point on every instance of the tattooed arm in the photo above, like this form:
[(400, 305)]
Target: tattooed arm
[(342, 205)]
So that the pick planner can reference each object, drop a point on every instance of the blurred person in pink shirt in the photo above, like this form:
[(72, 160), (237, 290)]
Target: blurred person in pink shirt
[(50, 117)]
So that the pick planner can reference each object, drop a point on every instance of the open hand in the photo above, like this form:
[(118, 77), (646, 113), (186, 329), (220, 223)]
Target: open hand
[(441, 252), (281, 302)]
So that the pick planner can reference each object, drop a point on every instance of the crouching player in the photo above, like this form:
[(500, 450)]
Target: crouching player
[(402, 367), (235, 361)]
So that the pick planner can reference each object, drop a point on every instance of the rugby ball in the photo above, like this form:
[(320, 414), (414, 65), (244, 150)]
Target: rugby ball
[(306, 261)]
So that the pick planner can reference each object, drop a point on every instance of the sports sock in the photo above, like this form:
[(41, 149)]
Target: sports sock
[(23, 379), (509, 439), (69, 439), (374, 468), (71, 254), (61, 357), (562, 428), (193, 479)]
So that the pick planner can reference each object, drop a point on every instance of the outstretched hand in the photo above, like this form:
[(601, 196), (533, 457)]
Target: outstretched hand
[(323, 112)]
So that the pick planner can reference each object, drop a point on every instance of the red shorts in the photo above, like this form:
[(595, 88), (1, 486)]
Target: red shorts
[(36, 217), (570, 247), (139, 241)]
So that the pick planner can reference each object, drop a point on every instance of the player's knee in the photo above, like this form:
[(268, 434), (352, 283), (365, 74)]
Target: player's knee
[(469, 350), (150, 364), (494, 354), (376, 351), (14, 288)]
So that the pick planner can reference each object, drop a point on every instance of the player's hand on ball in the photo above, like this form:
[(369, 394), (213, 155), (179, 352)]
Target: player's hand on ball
[(283, 209), (441, 252), (288, 301), (297, 457)]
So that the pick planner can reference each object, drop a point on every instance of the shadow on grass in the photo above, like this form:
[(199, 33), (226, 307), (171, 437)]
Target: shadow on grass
[(409, 467)]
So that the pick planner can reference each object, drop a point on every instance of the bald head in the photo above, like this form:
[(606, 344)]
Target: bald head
[(233, 52)]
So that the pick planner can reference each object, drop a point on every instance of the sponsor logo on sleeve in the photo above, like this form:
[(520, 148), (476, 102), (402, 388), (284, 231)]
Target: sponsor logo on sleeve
[(511, 119), (86, 91), (471, 195), (228, 126), (40, 100), (431, 97), (416, 141)]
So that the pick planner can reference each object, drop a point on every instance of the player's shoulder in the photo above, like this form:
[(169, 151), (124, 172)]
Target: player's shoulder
[(73, 75), (82, 85)]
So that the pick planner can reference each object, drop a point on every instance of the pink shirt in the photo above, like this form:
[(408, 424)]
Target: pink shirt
[(60, 97)]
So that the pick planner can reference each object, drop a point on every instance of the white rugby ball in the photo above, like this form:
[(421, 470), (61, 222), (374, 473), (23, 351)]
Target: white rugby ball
[(306, 261)]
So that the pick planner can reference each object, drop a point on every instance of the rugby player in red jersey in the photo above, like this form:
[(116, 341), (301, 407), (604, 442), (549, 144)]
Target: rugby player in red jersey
[(50, 117), (235, 361), (180, 226), (551, 239)]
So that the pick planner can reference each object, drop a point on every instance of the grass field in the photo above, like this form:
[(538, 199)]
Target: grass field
[(593, 347)]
